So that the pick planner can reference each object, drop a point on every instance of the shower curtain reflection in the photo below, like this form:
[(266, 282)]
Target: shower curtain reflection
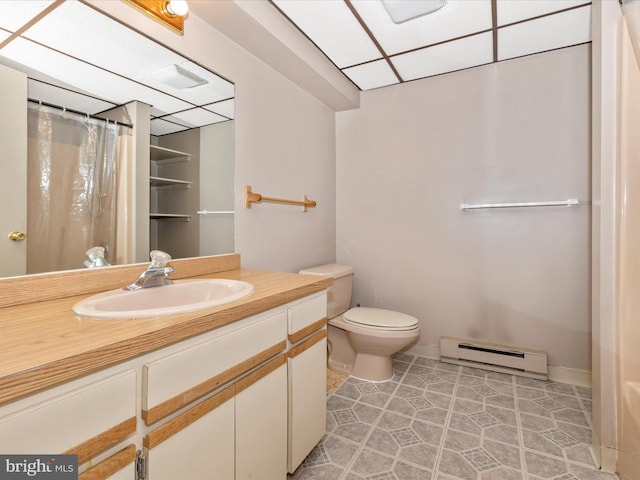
[(72, 167)]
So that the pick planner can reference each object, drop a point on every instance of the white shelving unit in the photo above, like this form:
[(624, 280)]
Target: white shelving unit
[(162, 157)]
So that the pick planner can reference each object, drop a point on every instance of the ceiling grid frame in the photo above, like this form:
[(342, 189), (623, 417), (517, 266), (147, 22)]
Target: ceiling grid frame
[(201, 107), (553, 8)]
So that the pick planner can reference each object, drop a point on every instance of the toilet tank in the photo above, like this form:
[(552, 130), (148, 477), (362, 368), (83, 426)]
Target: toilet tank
[(339, 294)]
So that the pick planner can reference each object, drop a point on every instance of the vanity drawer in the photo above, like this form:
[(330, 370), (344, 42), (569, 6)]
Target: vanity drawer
[(303, 315), (83, 421), (174, 381)]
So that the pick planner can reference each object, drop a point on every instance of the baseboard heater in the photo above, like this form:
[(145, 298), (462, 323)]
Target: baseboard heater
[(498, 358)]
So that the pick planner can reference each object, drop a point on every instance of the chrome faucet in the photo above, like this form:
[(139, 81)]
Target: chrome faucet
[(96, 257), (156, 275)]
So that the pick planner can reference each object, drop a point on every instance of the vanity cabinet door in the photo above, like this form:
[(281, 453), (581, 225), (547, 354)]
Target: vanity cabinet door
[(307, 370), (261, 423), (89, 418), (119, 466), (197, 444), (241, 433), (174, 381), (307, 377)]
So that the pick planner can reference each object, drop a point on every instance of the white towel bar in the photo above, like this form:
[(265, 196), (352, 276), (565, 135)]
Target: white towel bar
[(216, 212), (572, 202)]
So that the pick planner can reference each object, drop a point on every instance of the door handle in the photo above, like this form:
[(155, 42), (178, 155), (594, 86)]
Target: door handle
[(17, 236)]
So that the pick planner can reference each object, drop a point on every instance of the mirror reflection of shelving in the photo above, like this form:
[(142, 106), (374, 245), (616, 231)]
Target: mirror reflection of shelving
[(174, 179), (165, 176)]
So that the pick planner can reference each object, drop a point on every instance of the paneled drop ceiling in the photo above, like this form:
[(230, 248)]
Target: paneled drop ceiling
[(362, 40), (77, 58)]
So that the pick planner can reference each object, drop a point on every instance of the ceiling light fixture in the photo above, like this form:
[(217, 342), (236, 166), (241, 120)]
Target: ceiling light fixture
[(176, 7), (402, 11), (170, 13)]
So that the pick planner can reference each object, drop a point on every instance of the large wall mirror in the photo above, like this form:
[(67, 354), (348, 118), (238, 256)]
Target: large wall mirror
[(110, 140)]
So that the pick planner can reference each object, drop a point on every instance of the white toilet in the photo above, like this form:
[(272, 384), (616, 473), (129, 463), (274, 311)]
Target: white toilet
[(362, 340)]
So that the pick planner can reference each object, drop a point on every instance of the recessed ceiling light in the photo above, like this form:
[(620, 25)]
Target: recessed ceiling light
[(178, 77), (403, 10)]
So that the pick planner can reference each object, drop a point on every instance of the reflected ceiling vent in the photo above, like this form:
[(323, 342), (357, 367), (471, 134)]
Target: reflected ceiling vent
[(404, 10), (177, 77)]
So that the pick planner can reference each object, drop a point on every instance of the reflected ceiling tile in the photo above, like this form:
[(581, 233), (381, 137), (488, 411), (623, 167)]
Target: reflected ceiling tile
[(4, 35), (119, 49), (372, 75), (196, 117), (87, 78), (61, 97), (95, 38), (225, 108), (154, 112), (457, 18), (448, 57), (16, 13), (219, 87), (547, 33), (331, 26), (510, 11), (162, 127)]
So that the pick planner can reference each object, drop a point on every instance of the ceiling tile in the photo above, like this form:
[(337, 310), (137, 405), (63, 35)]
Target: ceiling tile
[(86, 78), (196, 117), (99, 40), (447, 57), (61, 97), (331, 26), (372, 75), (225, 108), (162, 127), (510, 11), (457, 18), (137, 63), (547, 33), (16, 13), (75, 53)]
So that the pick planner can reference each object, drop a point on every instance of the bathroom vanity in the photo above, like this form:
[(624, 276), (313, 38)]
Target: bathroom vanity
[(236, 391)]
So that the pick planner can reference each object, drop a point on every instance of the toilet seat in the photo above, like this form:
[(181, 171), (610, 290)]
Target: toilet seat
[(380, 319)]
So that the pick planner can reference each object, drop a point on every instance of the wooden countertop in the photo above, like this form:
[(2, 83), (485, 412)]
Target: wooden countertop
[(43, 344)]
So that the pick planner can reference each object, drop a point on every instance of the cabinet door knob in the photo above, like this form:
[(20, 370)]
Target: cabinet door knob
[(17, 236)]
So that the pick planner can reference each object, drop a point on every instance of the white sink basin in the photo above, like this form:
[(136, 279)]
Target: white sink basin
[(180, 297)]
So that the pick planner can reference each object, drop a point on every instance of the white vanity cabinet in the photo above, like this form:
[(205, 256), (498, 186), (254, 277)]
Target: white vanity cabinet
[(245, 401), (94, 418), (237, 431), (307, 375)]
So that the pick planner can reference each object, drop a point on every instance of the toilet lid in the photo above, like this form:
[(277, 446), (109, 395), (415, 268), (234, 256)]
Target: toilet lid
[(379, 318)]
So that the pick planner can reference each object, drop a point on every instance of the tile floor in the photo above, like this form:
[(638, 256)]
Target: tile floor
[(436, 421)]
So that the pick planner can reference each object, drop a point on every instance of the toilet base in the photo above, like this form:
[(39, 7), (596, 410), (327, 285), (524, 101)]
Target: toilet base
[(373, 368), (365, 353), (337, 367)]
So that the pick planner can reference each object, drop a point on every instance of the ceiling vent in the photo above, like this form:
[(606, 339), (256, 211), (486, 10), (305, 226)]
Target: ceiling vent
[(404, 10), (177, 77)]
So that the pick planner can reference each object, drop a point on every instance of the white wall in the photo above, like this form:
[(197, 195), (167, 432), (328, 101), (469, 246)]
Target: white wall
[(217, 176), (284, 146), (512, 131)]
